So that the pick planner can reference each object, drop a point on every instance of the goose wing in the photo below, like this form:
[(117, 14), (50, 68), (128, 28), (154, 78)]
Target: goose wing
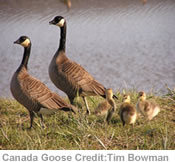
[(81, 79), (40, 94)]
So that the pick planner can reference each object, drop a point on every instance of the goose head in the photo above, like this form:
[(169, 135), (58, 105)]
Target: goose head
[(23, 41), (58, 21)]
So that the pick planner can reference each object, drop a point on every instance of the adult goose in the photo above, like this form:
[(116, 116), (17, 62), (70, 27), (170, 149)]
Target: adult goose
[(146, 108), (69, 76), (30, 92)]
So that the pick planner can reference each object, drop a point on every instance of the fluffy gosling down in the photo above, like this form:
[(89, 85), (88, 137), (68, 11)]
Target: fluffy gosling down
[(106, 107), (127, 111), (146, 108), (32, 93)]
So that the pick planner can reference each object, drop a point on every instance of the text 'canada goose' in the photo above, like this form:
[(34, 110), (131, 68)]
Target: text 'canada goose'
[(32, 93)]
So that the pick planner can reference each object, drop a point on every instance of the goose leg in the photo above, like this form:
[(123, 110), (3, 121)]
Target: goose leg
[(87, 107), (31, 118), (71, 100), (123, 123), (41, 121), (109, 115)]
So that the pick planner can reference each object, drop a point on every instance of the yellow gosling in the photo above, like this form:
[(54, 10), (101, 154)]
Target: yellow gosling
[(127, 111), (102, 108), (146, 108), (106, 107)]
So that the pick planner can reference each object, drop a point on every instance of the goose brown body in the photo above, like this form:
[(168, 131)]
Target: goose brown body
[(69, 76), (72, 78), (32, 93)]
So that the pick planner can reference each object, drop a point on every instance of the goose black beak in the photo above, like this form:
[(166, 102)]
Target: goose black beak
[(52, 22), (16, 42)]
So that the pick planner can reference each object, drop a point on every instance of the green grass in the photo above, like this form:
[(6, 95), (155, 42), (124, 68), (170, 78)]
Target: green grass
[(66, 131)]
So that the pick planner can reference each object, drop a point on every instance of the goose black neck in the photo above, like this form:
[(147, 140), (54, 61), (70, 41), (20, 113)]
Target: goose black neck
[(62, 45), (26, 56)]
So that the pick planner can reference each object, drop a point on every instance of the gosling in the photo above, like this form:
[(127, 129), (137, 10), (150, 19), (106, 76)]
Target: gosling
[(127, 111), (146, 108), (107, 107)]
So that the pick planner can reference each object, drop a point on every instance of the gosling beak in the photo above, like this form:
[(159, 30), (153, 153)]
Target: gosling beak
[(114, 96)]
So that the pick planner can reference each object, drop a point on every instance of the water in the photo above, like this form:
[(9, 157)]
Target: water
[(122, 43)]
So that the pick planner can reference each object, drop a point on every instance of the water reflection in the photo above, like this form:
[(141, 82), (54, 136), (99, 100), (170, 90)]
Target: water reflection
[(122, 43)]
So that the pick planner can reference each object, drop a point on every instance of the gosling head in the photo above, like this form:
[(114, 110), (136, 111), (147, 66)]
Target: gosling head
[(142, 96), (109, 93), (126, 98), (23, 41), (58, 21)]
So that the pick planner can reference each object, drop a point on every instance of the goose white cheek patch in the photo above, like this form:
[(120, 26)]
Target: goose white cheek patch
[(25, 43), (61, 23)]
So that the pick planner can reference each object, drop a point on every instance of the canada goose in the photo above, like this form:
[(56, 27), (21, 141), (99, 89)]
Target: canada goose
[(106, 107), (32, 93), (146, 108), (69, 76), (127, 111)]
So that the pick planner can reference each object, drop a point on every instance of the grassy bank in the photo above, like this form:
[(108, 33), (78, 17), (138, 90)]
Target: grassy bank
[(64, 131)]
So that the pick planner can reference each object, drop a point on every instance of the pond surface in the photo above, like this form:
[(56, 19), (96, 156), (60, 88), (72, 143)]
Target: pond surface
[(122, 43)]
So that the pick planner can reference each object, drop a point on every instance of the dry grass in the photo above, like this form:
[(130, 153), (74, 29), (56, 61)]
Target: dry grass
[(65, 131)]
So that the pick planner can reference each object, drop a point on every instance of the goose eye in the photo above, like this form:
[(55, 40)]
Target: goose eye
[(22, 39)]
